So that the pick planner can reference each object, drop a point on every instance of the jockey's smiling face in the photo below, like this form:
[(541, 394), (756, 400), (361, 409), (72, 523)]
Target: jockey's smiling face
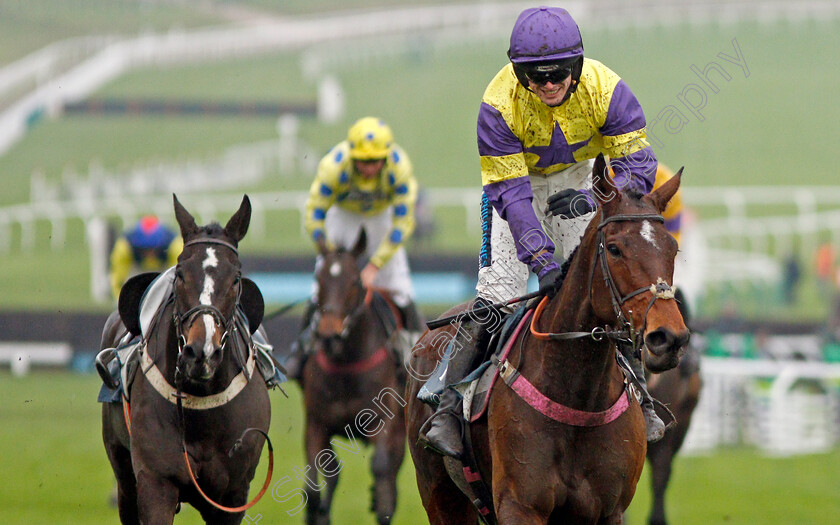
[(550, 93), (369, 169)]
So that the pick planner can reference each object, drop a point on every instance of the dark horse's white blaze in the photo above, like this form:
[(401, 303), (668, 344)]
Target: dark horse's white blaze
[(206, 298)]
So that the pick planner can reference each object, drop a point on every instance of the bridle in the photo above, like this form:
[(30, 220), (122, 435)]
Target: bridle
[(180, 320), (626, 331)]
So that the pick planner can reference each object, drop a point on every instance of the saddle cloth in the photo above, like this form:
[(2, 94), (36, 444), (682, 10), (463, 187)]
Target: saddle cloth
[(477, 386)]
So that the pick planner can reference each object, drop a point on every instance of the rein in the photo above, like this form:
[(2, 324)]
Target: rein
[(236, 446)]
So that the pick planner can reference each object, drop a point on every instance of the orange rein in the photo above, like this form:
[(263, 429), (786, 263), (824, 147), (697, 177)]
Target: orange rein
[(247, 505), (540, 307), (127, 414)]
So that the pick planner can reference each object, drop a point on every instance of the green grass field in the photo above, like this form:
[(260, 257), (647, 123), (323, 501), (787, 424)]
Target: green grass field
[(56, 470)]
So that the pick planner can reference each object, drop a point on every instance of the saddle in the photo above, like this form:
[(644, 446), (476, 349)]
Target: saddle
[(476, 388)]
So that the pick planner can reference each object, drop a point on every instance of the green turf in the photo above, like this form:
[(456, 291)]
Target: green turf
[(57, 471)]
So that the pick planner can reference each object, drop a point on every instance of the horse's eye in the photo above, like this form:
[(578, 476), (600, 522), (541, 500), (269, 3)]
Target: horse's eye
[(614, 251)]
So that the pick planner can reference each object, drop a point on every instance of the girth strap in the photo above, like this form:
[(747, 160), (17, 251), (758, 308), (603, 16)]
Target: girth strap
[(561, 413)]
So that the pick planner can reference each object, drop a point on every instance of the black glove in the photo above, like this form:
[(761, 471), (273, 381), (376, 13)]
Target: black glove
[(569, 203), (550, 283)]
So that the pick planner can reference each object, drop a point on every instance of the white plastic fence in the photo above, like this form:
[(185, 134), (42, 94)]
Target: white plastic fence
[(781, 407)]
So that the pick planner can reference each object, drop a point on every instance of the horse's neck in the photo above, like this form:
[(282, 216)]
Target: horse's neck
[(578, 371), (364, 338)]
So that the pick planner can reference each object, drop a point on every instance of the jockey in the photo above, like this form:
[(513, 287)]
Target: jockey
[(365, 182), (542, 119), (149, 246)]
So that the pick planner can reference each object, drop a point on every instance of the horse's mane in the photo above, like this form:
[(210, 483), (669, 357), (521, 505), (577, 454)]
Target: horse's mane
[(564, 269), (634, 194)]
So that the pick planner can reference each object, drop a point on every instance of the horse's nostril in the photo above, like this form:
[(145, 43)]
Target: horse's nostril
[(657, 339), (190, 352)]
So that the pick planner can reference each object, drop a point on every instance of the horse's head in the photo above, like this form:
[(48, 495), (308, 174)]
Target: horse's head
[(340, 293), (635, 263), (208, 286)]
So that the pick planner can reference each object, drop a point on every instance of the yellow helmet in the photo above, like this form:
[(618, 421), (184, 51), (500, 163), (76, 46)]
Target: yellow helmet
[(370, 138)]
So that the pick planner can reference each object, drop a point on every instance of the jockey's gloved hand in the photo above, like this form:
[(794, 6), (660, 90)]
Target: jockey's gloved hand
[(569, 204), (550, 283)]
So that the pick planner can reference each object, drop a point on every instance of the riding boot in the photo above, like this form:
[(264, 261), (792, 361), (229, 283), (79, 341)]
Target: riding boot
[(302, 346), (655, 426), (444, 435)]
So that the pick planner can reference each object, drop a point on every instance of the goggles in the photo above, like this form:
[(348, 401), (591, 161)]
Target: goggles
[(544, 73)]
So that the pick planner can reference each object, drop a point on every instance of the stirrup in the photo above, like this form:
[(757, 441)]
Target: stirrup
[(101, 362)]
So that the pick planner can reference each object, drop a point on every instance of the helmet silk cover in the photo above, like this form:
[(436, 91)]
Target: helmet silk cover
[(370, 139), (546, 34)]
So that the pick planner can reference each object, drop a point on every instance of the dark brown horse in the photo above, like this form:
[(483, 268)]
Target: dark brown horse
[(678, 389), (197, 348), (541, 470), (351, 387)]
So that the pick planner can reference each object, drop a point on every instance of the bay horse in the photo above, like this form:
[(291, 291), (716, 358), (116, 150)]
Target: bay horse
[(678, 389), (551, 470), (181, 433), (351, 387)]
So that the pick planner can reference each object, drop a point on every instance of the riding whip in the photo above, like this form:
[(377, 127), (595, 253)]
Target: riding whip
[(437, 323)]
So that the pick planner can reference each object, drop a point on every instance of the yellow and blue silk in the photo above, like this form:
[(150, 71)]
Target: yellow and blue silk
[(337, 183)]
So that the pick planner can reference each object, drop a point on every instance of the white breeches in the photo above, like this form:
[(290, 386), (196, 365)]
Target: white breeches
[(342, 230), (507, 277)]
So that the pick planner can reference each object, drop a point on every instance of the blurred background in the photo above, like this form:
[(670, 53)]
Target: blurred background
[(107, 107)]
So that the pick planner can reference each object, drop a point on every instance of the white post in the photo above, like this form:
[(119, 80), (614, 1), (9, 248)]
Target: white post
[(20, 364), (287, 128), (330, 100), (97, 239)]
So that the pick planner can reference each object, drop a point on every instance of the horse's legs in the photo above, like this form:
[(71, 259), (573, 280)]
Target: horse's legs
[(387, 458), (120, 458), (215, 516), (317, 508), (660, 461), (156, 499)]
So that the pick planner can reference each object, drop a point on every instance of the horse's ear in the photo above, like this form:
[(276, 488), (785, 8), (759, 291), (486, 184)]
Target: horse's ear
[(184, 218), (603, 188), (361, 244), (252, 304), (129, 301), (237, 226), (660, 197)]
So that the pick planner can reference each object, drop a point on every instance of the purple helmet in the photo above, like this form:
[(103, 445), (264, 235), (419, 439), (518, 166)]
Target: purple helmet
[(546, 35)]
